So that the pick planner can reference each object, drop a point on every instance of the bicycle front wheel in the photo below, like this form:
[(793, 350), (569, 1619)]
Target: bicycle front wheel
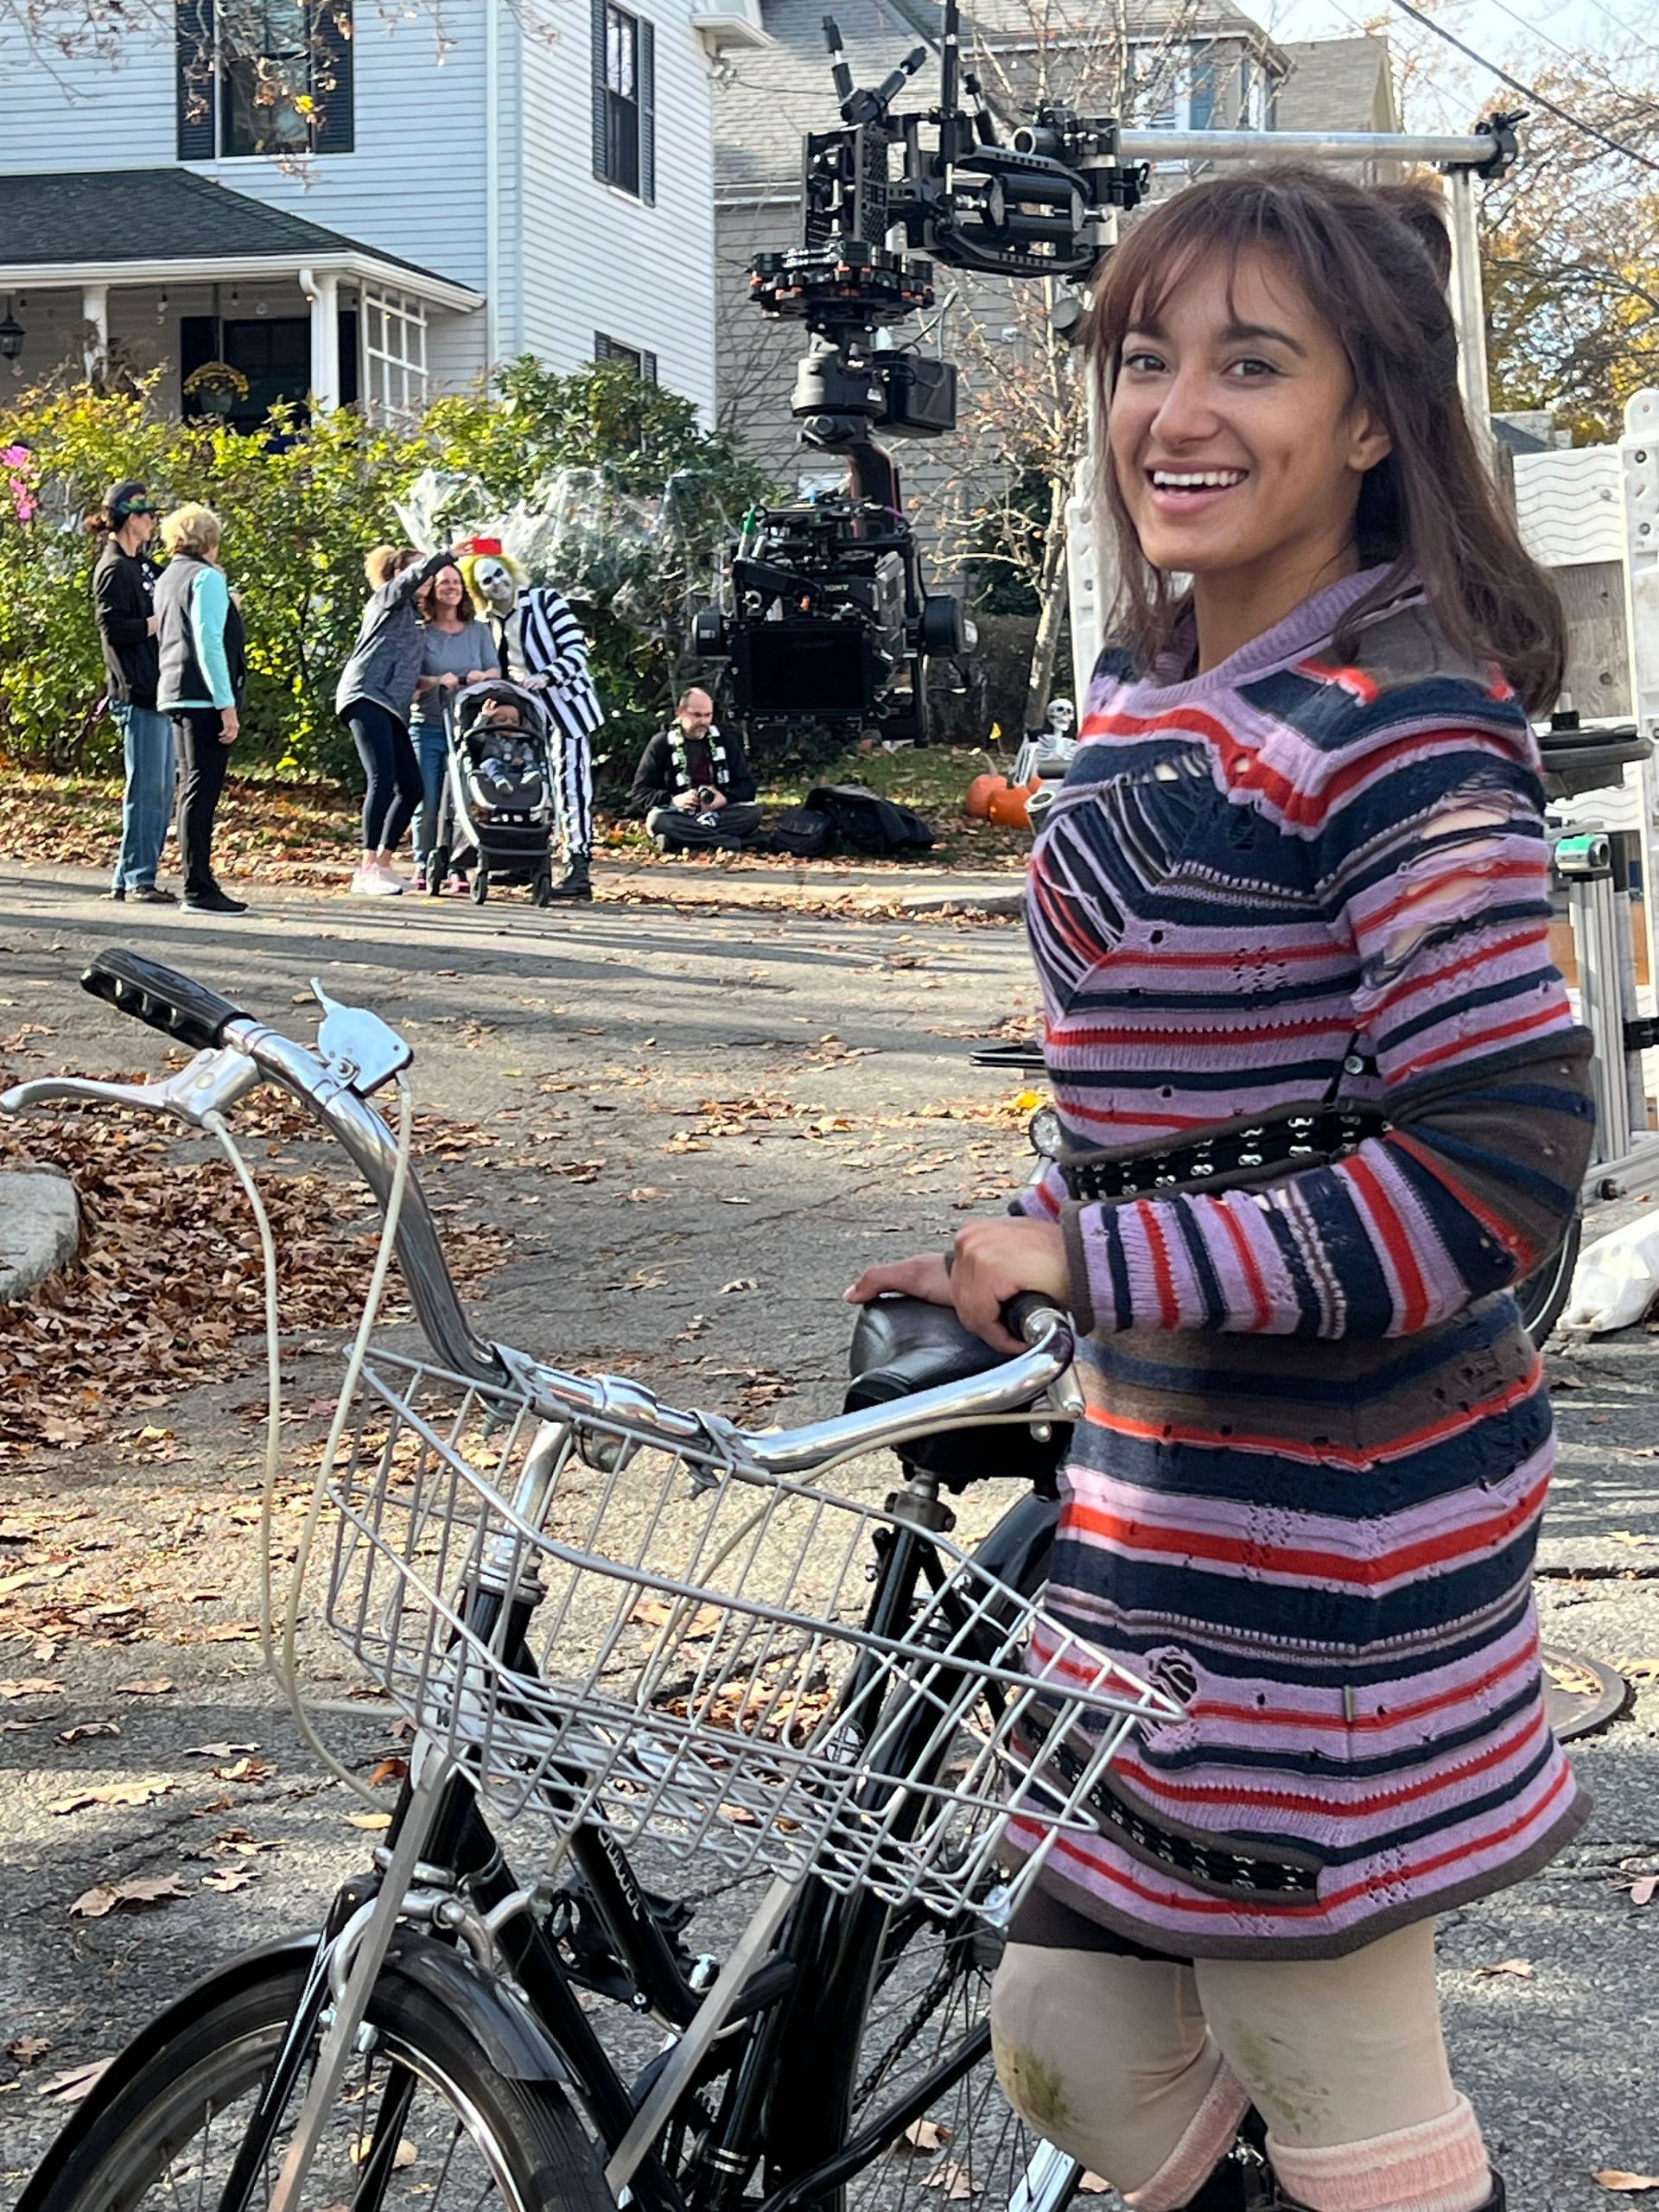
[(421, 2120)]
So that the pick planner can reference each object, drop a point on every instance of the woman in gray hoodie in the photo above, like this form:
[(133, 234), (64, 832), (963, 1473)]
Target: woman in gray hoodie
[(372, 699)]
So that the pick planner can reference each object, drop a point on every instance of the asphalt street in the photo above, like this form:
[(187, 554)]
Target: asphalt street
[(686, 1132)]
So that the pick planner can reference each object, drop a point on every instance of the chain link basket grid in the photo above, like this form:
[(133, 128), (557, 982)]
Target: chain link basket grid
[(706, 1674)]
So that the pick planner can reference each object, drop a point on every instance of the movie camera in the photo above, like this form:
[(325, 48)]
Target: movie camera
[(823, 610)]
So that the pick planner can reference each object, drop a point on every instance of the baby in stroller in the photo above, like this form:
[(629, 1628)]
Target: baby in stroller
[(506, 752)]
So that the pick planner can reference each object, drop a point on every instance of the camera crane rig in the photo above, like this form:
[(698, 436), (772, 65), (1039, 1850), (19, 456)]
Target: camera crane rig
[(824, 612), (826, 616)]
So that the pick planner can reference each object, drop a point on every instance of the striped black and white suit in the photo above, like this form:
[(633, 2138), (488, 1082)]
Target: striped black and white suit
[(542, 647)]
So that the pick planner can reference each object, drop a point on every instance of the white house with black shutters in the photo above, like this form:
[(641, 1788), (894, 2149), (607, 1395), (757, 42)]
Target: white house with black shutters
[(268, 198)]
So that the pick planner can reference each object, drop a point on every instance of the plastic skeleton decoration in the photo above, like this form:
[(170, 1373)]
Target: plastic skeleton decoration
[(1062, 718), (542, 648)]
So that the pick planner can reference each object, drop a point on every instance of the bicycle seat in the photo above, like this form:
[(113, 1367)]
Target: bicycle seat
[(1580, 757), (901, 1345)]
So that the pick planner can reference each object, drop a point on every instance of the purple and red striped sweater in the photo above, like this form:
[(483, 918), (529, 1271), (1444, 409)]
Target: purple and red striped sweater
[(1307, 1491)]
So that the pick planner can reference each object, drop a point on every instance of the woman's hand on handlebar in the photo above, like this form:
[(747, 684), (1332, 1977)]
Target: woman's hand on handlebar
[(992, 1261)]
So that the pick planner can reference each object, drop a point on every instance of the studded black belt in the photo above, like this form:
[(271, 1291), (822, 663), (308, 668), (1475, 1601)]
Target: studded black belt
[(1235, 1153), (1247, 1872)]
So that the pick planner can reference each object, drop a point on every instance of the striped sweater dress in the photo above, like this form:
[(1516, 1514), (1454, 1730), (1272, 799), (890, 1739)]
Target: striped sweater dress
[(1306, 1494)]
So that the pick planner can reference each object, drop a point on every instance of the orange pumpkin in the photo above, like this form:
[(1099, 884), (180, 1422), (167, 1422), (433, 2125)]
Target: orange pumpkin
[(1008, 806), (980, 793)]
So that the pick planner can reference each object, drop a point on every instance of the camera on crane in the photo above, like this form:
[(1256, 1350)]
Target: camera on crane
[(823, 610)]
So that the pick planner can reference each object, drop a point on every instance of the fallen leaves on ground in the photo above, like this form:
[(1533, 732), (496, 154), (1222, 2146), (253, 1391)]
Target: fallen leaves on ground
[(153, 1686), (924, 2135), (106, 1898), (1521, 1969), (28, 2050), (952, 2180), (1642, 1891), (169, 1291), (1615, 2178), (138, 1792), (70, 2087), (29, 1686)]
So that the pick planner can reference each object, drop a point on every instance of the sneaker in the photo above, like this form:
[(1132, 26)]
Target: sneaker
[(117, 892), (151, 894), (214, 901), (458, 885), (370, 883)]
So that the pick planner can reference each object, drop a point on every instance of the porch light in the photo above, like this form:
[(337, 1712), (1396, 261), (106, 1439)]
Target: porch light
[(11, 336)]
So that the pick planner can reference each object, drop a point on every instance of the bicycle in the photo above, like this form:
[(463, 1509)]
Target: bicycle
[(628, 1620)]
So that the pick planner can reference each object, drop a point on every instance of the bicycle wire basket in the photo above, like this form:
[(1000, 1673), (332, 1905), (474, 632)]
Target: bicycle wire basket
[(705, 1671)]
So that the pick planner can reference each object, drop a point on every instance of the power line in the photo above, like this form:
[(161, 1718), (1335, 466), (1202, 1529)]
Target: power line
[(1588, 60), (1527, 91)]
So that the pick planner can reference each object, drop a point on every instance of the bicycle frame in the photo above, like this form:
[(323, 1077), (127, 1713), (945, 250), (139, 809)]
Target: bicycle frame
[(787, 2046), (440, 1868)]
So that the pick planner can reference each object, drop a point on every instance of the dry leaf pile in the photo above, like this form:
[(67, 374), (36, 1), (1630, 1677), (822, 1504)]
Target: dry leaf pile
[(169, 1290)]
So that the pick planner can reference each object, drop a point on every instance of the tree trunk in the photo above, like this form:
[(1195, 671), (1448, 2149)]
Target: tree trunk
[(1053, 595)]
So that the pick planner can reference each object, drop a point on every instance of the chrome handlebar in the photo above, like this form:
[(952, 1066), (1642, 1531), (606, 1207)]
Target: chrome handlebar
[(361, 1053)]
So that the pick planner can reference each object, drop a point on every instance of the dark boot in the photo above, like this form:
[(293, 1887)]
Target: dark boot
[(574, 883)]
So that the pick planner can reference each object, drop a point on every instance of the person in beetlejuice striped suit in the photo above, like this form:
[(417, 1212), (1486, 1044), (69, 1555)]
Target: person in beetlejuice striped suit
[(543, 648)]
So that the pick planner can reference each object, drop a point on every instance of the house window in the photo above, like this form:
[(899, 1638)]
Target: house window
[(624, 100), (1157, 86), (394, 354), (272, 355), (270, 77), (636, 357)]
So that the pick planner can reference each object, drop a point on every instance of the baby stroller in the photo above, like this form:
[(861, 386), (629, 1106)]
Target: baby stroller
[(496, 809)]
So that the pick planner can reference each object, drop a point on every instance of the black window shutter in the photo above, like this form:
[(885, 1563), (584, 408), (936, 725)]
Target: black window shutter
[(601, 114), (647, 113), (332, 130), (195, 73), (648, 367)]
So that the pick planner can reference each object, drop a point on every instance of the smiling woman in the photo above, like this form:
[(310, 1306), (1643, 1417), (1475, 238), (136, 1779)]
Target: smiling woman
[(1320, 1103)]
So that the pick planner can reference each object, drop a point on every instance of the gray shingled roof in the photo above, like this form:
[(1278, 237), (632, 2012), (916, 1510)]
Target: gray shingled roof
[(105, 217), (775, 93)]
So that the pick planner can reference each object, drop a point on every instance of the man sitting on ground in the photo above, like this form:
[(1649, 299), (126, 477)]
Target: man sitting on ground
[(693, 788)]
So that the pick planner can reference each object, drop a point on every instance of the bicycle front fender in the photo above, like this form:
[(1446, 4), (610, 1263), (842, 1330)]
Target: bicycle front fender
[(500, 2022)]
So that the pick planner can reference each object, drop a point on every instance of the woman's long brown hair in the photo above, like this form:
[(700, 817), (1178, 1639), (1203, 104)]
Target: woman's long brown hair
[(1373, 265)]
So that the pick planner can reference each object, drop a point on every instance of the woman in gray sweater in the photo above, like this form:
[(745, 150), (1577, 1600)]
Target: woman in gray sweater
[(372, 699)]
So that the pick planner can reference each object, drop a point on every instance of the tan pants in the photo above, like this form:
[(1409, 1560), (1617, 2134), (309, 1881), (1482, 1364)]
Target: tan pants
[(1142, 2070)]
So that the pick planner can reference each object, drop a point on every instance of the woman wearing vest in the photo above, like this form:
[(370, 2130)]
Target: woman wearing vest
[(203, 672), (1318, 1103)]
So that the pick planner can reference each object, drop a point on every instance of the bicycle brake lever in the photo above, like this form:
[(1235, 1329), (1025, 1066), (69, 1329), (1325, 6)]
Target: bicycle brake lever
[(211, 1082), (361, 1050)]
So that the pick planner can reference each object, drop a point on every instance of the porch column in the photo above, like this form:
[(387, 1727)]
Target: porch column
[(321, 287), (95, 315)]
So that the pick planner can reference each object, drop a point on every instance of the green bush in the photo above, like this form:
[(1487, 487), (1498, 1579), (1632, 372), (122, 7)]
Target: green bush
[(303, 501)]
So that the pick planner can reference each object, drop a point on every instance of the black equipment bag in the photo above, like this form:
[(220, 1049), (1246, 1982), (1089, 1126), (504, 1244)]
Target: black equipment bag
[(805, 831), (866, 822)]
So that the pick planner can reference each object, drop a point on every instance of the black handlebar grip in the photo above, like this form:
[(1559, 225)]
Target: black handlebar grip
[(177, 1005), (1022, 1309)]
